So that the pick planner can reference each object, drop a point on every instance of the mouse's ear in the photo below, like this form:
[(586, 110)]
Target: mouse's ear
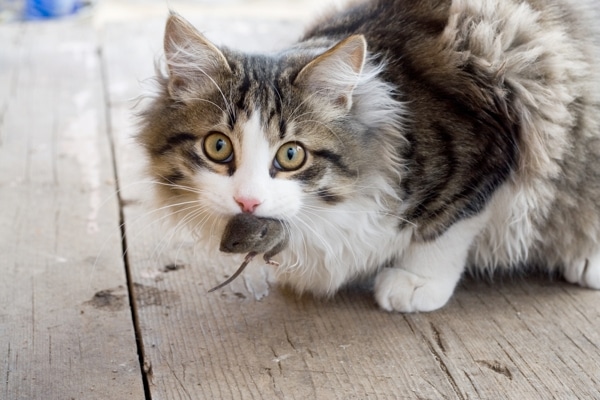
[(194, 63), (333, 75)]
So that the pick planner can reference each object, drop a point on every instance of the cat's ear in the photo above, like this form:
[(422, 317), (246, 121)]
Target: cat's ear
[(193, 62), (334, 74)]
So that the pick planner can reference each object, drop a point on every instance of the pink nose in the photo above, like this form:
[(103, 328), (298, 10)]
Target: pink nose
[(248, 205)]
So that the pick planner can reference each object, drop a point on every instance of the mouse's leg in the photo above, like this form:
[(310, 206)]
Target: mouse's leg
[(270, 261)]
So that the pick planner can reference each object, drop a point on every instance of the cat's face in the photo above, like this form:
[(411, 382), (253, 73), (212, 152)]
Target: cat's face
[(249, 168), (278, 136)]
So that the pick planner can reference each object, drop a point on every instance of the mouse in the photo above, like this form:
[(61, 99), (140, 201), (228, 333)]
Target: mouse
[(247, 233)]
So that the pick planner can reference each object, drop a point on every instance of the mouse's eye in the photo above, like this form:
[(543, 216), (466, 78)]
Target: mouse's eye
[(290, 157), (218, 148)]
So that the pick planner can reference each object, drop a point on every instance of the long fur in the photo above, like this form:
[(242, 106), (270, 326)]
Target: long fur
[(466, 135)]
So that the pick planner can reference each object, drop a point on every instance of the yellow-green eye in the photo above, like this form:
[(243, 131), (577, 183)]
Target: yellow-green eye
[(218, 147), (290, 157)]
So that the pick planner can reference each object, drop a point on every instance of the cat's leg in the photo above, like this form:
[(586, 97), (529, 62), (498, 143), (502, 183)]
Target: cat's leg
[(586, 272), (425, 277)]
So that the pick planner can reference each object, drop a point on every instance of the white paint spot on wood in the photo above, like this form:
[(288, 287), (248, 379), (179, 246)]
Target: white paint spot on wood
[(281, 358)]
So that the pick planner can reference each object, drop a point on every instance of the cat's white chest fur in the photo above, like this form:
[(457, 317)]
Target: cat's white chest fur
[(331, 246)]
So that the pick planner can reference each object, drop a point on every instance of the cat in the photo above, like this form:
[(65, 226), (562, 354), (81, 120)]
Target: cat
[(403, 141)]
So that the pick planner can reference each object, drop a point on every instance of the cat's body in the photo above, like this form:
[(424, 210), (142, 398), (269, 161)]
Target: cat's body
[(411, 139)]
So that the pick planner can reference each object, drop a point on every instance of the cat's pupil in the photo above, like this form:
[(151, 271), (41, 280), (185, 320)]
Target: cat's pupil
[(291, 153), (219, 145)]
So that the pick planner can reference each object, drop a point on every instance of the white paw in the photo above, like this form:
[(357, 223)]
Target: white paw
[(585, 273), (399, 290)]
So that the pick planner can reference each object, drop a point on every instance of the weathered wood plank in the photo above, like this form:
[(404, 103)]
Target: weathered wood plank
[(59, 224), (519, 339), (514, 339)]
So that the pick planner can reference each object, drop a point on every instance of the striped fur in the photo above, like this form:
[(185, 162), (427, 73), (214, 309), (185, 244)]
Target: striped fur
[(439, 135)]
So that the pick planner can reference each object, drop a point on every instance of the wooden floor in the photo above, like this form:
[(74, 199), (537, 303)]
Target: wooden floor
[(78, 320)]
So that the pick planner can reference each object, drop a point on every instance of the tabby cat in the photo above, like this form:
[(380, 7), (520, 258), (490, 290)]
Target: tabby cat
[(401, 140)]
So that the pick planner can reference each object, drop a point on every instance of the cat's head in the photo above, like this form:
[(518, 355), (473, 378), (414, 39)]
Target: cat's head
[(279, 135)]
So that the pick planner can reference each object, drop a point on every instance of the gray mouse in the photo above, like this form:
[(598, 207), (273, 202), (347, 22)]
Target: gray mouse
[(247, 233)]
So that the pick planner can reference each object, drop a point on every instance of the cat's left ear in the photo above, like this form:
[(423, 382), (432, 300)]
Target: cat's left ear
[(334, 74), (194, 63)]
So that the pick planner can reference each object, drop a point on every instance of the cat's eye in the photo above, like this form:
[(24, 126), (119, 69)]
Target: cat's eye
[(218, 147), (290, 157)]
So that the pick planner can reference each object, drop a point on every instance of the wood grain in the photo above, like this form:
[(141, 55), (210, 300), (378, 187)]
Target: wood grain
[(521, 338), (65, 323)]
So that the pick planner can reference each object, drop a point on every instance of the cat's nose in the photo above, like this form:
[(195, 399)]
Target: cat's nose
[(247, 204)]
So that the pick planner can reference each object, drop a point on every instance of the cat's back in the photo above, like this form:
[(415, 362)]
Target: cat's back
[(504, 62), (424, 34), (503, 100), (409, 18)]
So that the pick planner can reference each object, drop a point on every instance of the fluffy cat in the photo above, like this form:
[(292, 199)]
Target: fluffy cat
[(409, 140)]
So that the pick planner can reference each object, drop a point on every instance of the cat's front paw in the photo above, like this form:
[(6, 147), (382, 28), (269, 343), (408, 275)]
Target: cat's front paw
[(400, 290), (585, 273)]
